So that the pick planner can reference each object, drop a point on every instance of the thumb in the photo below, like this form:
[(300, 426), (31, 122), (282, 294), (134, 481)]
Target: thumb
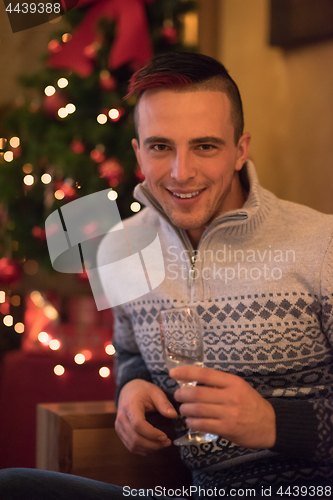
[(163, 405)]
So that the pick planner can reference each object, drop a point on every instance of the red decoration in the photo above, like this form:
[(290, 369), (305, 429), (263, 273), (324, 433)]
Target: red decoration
[(91, 50), (169, 32), (10, 271), (97, 156), (38, 233), (54, 46), (131, 46), (107, 82), (138, 174), (112, 171), (77, 147), (17, 152), (53, 103), (69, 191)]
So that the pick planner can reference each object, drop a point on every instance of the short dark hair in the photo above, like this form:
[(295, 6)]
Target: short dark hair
[(182, 70)]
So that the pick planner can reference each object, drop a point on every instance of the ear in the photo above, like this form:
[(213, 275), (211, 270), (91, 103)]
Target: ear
[(243, 147), (136, 147)]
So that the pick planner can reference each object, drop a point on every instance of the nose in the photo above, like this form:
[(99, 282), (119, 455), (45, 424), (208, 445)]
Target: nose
[(183, 168)]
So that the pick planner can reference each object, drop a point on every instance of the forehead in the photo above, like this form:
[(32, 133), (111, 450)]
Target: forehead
[(172, 110)]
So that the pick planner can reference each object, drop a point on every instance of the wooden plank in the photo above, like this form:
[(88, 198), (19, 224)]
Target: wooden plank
[(79, 438)]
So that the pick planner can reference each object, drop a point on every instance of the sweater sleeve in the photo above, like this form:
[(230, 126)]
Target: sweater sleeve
[(304, 428), (129, 363)]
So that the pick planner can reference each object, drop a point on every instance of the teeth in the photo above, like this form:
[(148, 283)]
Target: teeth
[(187, 195)]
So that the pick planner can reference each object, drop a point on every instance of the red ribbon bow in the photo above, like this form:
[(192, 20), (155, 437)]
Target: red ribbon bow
[(131, 45)]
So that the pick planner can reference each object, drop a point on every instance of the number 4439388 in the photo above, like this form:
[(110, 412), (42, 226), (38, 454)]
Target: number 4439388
[(34, 8)]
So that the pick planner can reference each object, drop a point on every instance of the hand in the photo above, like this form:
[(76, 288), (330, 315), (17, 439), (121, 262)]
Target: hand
[(138, 397), (227, 406)]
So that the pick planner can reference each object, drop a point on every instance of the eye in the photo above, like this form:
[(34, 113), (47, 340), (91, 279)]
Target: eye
[(159, 147), (206, 147)]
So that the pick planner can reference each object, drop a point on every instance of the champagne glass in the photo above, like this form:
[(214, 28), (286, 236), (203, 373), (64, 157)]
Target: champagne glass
[(182, 345)]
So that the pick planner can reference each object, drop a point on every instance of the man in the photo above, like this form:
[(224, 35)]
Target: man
[(259, 272)]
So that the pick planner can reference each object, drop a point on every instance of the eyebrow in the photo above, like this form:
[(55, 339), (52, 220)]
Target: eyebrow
[(199, 140)]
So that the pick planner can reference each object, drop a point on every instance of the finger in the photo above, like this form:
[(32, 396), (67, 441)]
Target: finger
[(202, 394), (163, 405), (197, 410), (137, 443), (206, 376)]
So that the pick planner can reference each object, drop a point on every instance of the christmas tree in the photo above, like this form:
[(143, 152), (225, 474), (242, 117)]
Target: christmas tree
[(72, 138), (69, 139)]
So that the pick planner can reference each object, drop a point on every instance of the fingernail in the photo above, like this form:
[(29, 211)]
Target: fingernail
[(162, 438)]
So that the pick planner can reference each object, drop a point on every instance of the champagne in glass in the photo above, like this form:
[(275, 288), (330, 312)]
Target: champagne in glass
[(182, 345)]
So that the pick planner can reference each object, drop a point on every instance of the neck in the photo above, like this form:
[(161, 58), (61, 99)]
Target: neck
[(239, 199)]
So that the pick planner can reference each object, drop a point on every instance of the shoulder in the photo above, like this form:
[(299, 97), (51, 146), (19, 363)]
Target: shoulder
[(303, 217)]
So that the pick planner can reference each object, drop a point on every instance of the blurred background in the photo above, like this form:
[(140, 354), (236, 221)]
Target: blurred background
[(65, 132)]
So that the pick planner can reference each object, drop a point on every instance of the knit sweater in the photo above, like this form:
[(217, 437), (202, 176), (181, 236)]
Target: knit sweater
[(263, 287)]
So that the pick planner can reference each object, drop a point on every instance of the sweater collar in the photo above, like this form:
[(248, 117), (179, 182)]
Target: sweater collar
[(256, 208)]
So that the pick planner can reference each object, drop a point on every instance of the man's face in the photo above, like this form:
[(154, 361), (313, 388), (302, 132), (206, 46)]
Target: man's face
[(188, 155)]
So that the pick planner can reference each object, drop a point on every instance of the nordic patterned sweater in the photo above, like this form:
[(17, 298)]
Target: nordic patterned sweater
[(263, 288)]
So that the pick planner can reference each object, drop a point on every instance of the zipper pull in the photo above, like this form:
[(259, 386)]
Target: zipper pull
[(191, 274)]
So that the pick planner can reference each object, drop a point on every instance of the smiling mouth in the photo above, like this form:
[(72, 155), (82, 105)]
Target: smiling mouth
[(193, 194)]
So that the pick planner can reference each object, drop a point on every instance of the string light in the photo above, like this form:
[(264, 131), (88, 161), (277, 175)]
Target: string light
[(28, 180), (112, 195), (27, 168), (70, 108), (110, 350), (79, 359), (46, 178), (30, 267), (8, 320), (19, 327), (2, 297), (14, 142), (50, 312), (43, 338), (104, 371), (66, 37), (59, 194), (3, 142), (54, 345), (49, 90), (62, 112), (102, 118), (62, 83), (114, 114), (135, 206), (37, 298), (8, 156), (59, 370), (15, 300)]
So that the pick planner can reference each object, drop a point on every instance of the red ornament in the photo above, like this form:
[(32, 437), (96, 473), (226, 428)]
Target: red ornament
[(38, 233), (169, 32), (54, 46), (107, 82), (91, 50), (112, 171), (97, 156), (10, 271), (69, 192), (138, 174), (17, 152), (77, 147), (53, 103)]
